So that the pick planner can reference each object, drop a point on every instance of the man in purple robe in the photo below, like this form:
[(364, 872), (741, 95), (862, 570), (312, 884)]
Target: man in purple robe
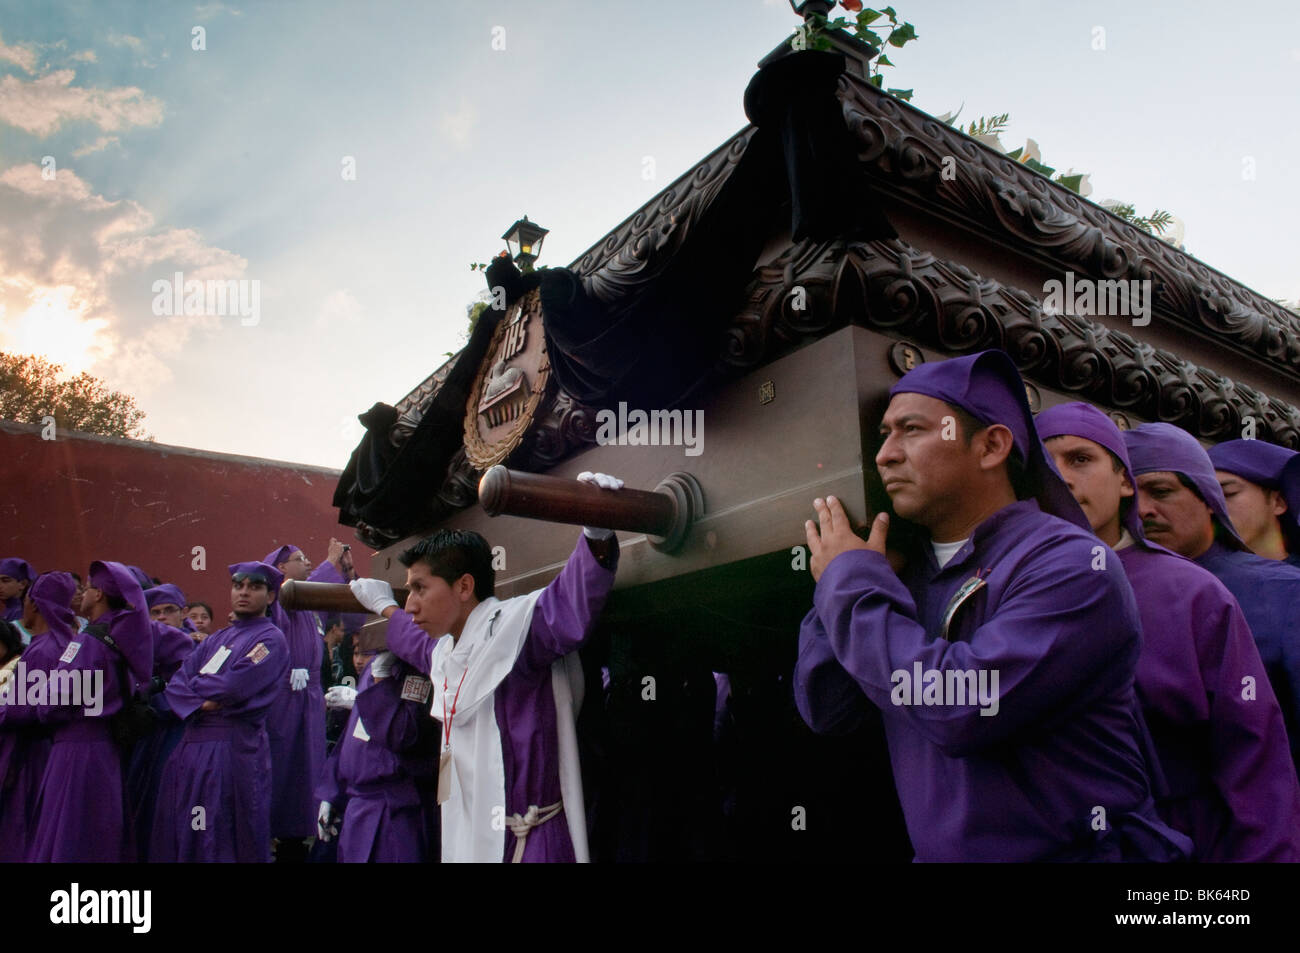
[(506, 685), (367, 784), (1215, 721), (1182, 508), (15, 576), (24, 740), (296, 722), (1002, 654), (1261, 492), (214, 802), (80, 815), (172, 645)]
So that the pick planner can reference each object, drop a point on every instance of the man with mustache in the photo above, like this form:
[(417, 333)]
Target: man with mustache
[(1216, 724), (1004, 578), (1183, 509)]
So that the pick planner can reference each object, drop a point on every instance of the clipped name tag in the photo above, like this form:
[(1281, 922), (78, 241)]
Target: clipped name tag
[(214, 664)]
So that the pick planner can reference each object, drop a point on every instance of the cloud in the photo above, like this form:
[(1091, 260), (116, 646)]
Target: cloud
[(459, 126), (76, 277), (205, 11), (103, 142), (42, 105), (126, 39), (22, 55), (85, 56)]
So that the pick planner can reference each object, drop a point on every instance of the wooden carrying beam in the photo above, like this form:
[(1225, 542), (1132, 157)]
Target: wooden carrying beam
[(664, 515), (325, 597)]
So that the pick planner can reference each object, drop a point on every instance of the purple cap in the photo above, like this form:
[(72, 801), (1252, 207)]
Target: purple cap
[(1164, 447), (166, 594), (129, 628), (1270, 466), (1078, 419), (266, 573), (1258, 461), (277, 556), (52, 592), (17, 568), (117, 580), (142, 577), (988, 386)]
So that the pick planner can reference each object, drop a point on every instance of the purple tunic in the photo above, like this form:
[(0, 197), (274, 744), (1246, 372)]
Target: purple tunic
[(296, 722), (144, 773), (1269, 594), (24, 751), (368, 782), (1231, 784), (79, 814), (1058, 773), (525, 705), (223, 761)]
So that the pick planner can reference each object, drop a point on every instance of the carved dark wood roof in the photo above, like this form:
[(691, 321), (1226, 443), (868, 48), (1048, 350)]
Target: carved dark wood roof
[(907, 291)]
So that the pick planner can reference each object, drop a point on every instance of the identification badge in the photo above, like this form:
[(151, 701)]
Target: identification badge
[(359, 732), (968, 588), (70, 652), (258, 652), (416, 688), (444, 775), (214, 664)]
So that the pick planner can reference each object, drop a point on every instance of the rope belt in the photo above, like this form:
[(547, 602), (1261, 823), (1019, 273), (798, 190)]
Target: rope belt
[(522, 824)]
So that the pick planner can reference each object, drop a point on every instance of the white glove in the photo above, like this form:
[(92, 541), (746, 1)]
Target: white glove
[(297, 679), (341, 696), (327, 826), (375, 594), (382, 665), (605, 482)]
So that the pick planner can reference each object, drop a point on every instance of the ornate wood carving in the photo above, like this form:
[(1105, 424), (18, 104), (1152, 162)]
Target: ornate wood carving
[(992, 195), (909, 293)]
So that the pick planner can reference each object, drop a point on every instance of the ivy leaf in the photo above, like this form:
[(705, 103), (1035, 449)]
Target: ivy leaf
[(868, 17), (1037, 166), (823, 42), (876, 80), (872, 37), (891, 13), (1071, 182), (883, 60), (902, 34)]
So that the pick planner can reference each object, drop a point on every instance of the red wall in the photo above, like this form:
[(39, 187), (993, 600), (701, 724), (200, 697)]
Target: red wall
[(67, 501)]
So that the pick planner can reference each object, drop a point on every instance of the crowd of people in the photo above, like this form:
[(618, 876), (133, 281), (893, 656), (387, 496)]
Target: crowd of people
[(1082, 643)]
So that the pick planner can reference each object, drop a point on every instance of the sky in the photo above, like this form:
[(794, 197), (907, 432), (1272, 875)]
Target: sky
[(350, 160)]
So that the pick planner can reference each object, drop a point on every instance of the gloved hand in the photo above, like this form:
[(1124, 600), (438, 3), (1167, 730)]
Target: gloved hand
[(382, 665), (297, 679), (605, 482), (341, 696), (375, 594), (327, 825)]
